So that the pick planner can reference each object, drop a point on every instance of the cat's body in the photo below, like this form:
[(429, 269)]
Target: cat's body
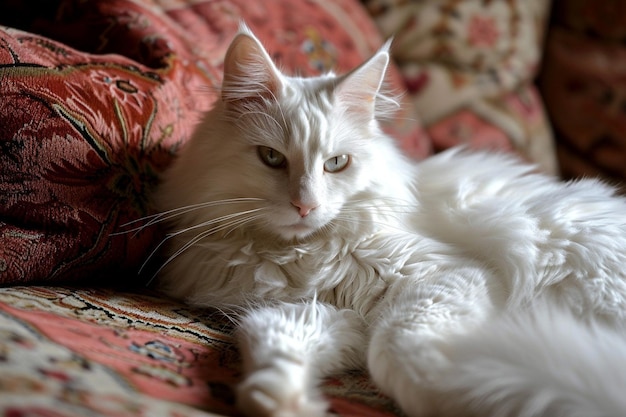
[(291, 205)]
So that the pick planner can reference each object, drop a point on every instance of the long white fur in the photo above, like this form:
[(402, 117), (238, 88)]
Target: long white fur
[(404, 268), (543, 362)]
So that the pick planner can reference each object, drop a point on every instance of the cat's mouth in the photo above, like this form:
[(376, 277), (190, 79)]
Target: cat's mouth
[(298, 230), (300, 227), (290, 226)]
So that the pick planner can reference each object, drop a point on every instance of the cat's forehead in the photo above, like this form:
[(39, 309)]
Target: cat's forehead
[(301, 93), (309, 128), (302, 120), (305, 112)]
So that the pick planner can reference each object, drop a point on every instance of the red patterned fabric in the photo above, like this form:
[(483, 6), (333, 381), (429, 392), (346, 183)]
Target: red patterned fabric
[(94, 105), (74, 353)]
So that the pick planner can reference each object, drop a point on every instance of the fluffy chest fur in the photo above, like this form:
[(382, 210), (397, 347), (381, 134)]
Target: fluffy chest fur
[(352, 269)]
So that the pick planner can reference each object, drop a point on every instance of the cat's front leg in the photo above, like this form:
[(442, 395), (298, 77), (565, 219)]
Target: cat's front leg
[(287, 348), (416, 324)]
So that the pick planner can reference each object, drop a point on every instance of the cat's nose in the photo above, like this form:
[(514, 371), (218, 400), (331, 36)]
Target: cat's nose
[(303, 208)]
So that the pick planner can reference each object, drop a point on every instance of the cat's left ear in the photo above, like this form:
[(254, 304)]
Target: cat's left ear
[(249, 73), (359, 89)]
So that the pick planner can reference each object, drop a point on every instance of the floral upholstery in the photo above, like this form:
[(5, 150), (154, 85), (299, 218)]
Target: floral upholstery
[(68, 352)]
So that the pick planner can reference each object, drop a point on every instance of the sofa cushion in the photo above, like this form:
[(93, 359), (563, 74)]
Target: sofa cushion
[(469, 67)]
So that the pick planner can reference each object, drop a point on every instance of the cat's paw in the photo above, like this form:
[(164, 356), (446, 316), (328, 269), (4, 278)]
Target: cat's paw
[(279, 391)]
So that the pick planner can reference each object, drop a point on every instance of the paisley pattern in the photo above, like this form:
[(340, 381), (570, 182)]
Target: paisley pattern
[(95, 102), (101, 352)]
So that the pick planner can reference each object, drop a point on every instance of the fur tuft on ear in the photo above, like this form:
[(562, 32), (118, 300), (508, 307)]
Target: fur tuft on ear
[(360, 90), (249, 73)]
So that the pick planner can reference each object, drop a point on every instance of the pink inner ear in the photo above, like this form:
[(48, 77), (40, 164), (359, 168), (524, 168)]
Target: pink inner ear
[(358, 89), (249, 72)]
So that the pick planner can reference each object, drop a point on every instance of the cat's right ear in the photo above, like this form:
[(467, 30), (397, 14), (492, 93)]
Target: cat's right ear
[(249, 73), (359, 90)]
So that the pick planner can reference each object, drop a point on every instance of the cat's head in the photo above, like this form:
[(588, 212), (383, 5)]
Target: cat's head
[(300, 151)]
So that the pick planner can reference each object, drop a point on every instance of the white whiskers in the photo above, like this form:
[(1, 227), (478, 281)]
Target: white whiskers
[(225, 223), (354, 213), (233, 222), (170, 214)]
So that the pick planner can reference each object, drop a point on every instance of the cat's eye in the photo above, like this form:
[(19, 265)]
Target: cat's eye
[(337, 163), (271, 157)]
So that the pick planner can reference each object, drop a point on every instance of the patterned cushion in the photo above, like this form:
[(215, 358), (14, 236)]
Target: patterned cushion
[(94, 105), (469, 67)]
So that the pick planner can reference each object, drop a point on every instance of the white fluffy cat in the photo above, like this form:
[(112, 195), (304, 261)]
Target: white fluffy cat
[(467, 283)]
